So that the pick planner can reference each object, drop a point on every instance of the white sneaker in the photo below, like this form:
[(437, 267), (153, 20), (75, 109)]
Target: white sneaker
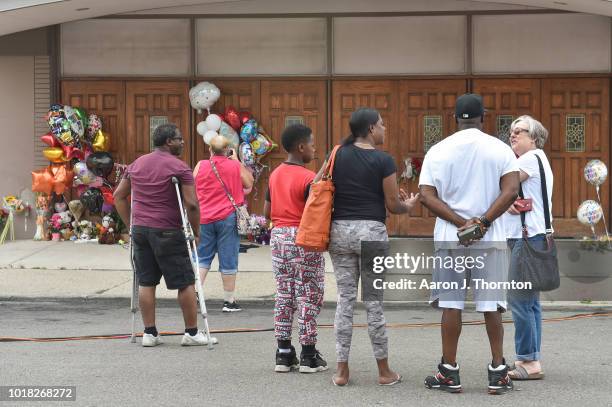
[(150, 340), (198, 340)]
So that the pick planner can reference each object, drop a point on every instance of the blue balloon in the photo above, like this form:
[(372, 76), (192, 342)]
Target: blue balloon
[(248, 132)]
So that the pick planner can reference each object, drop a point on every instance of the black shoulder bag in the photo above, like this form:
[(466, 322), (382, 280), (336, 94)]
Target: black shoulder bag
[(539, 267)]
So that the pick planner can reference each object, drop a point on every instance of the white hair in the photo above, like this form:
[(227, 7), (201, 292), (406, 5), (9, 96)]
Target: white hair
[(535, 129)]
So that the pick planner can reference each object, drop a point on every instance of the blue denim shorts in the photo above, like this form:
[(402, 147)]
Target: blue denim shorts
[(220, 237)]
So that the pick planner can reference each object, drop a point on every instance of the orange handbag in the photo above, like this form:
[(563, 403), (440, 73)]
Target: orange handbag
[(313, 232)]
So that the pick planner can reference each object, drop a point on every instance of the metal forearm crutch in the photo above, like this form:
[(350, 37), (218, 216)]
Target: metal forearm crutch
[(134, 299), (195, 264)]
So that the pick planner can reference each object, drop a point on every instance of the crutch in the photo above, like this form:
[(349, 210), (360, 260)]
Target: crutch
[(134, 299), (192, 249)]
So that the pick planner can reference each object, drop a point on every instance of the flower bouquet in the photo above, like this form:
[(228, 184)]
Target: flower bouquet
[(260, 230)]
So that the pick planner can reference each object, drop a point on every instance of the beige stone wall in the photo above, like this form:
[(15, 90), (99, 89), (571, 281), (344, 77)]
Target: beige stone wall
[(17, 131)]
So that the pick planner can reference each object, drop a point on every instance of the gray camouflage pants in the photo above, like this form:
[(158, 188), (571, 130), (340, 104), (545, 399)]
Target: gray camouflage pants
[(345, 250)]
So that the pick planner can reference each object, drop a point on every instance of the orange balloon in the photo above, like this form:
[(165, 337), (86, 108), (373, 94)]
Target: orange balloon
[(42, 181), (101, 141), (54, 154)]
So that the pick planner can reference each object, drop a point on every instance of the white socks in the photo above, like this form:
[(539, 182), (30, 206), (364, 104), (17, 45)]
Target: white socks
[(228, 296)]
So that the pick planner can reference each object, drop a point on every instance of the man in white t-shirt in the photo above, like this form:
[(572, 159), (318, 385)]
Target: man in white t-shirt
[(469, 178)]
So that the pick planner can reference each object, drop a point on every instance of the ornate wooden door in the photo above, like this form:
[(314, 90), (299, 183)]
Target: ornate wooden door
[(285, 102), (105, 99), (426, 116), (149, 104), (350, 95), (576, 113)]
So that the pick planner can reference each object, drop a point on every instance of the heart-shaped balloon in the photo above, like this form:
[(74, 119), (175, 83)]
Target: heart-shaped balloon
[(232, 118), (76, 207), (100, 163)]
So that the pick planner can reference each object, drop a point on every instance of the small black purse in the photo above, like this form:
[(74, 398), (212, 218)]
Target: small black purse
[(539, 267)]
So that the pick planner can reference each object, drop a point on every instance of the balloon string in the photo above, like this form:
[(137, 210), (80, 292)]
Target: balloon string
[(603, 215)]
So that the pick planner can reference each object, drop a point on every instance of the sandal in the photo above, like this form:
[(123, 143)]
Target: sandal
[(396, 381), (520, 373), (336, 384)]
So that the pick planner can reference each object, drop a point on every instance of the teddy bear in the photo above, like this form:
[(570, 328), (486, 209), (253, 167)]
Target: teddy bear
[(107, 231)]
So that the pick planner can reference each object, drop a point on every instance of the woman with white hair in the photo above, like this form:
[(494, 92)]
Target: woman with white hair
[(527, 138), (216, 180)]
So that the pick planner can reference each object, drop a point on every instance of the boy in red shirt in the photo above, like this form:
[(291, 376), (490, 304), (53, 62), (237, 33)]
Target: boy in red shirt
[(299, 274)]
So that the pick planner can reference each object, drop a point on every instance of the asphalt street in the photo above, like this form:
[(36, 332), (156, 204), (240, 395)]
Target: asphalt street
[(577, 360)]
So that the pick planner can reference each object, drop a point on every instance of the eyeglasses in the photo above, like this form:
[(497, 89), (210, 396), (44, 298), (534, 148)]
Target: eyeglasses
[(518, 130), (179, 139)]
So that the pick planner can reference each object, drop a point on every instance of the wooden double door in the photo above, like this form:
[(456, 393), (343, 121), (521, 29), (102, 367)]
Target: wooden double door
[(417, 113)]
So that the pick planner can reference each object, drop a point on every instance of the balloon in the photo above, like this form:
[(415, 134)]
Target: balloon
[(230, 134), (76, 208), (232, 118), (100, 163), (202, 128), (213, 122), (589, 213), (72, 152), (92, 199), (42, 181), (101, 142), (244, 116), (209, 135), (80, 168), (97, 182), (49, 140), (245, 153), (94, 125), (76, 124), (62, 178), (107, 194), (203, 96), (261, 145), (83, 174), (54, 154), (64, 136), (248, 132), (82, 115), (595, 172)]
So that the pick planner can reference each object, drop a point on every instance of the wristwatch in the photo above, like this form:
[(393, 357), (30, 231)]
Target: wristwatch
[(485, 222)]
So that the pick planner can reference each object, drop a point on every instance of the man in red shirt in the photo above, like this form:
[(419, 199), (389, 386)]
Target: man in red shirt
[(299, 274)]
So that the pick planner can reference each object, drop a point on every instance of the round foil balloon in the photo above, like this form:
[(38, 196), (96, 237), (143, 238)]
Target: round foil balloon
[(209, 135), (245, 153), (261, 145), (203, 96), (202, 128), (100, 163), (213, 122), (589, 213), (248, 132), (76, 124), (595, 172), (230, 134), (94, 124)]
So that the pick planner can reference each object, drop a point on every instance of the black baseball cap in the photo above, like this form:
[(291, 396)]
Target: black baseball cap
[(469, 106)]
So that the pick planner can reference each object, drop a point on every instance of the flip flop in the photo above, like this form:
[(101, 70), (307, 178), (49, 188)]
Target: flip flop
[(336, 384), (520, 373), (396, 381)]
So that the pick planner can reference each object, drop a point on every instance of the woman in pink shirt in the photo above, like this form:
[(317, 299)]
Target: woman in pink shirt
[(223, 174)]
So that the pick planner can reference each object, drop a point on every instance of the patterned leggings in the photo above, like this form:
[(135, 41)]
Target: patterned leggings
[(345, 251), (300, 282)]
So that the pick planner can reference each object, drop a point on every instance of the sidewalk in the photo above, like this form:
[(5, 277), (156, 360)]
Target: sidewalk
[(89, 271), (68, 270)]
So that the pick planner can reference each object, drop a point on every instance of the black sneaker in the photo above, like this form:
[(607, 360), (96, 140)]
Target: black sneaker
[(499, 381), (445, 379), (312, 362), (231, 307), (286, 361)]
